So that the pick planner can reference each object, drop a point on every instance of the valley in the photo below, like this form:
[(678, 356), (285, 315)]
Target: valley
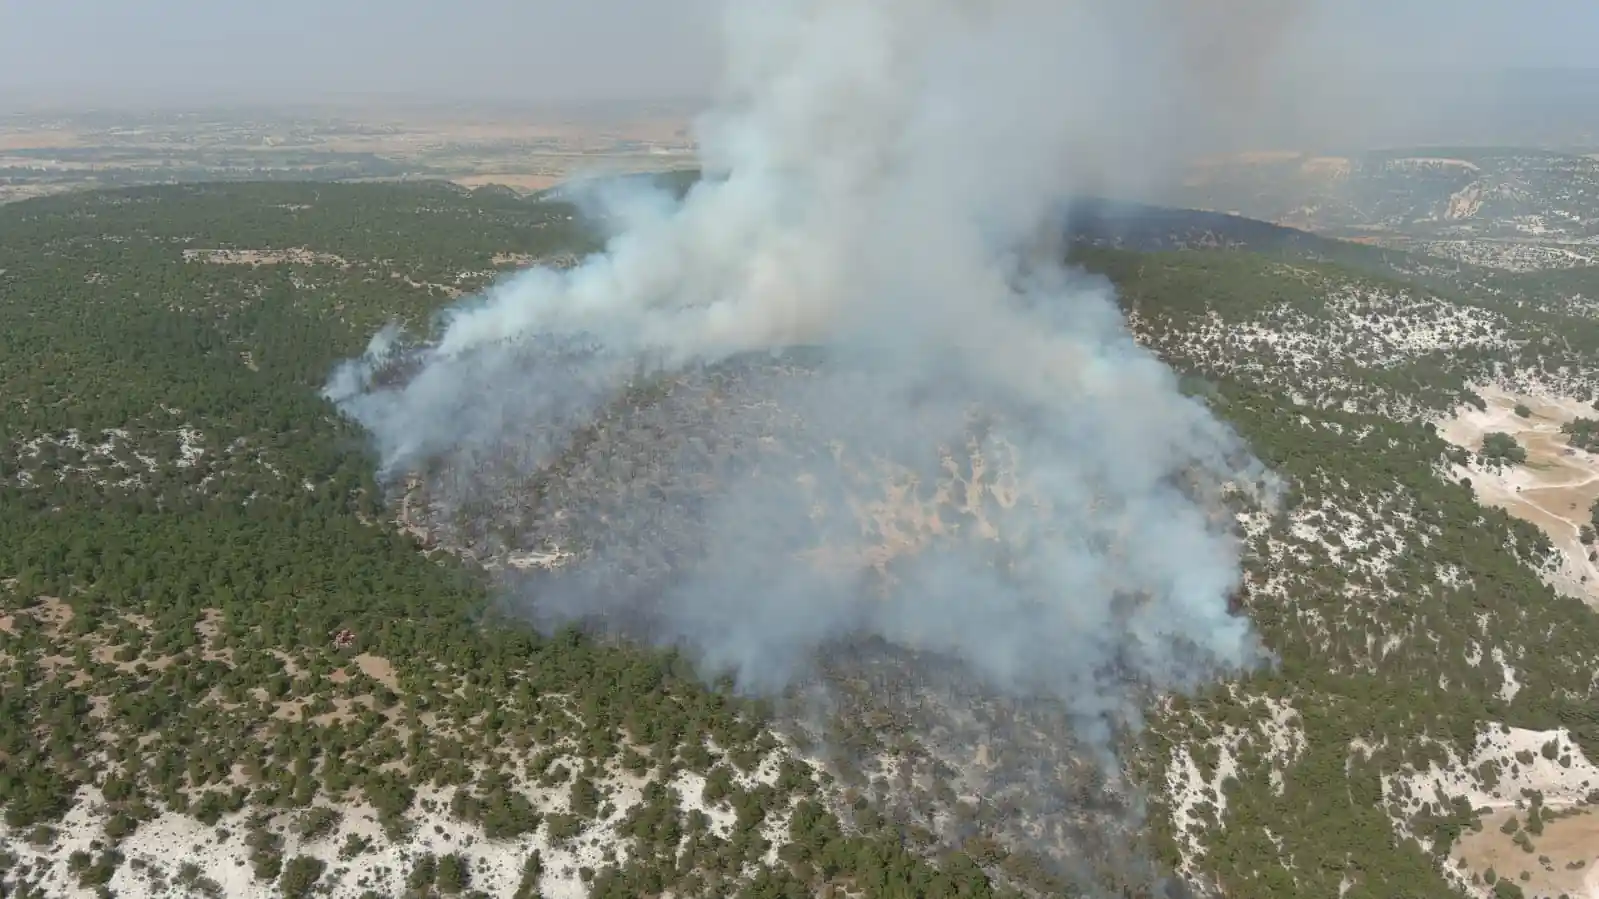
[(44, 152), (1508, 209)]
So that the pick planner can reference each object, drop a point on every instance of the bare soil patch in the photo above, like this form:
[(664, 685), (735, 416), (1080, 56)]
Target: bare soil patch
[(1440, 161), (1509, 765), (294, 255), (379, 669), (52, 614), (209, 628), (1562, 861), (37, 139), (1553, 489)]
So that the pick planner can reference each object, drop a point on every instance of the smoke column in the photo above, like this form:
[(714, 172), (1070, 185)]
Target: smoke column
[(875, 172)]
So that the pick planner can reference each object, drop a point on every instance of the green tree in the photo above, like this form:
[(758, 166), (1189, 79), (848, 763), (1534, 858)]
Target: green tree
[(1499, 448), (454, 873), (300, 875)]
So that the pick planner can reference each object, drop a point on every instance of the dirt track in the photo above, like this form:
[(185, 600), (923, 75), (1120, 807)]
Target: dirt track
[(1554, 489)]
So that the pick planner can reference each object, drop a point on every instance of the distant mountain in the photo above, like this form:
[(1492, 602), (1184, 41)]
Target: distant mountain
[(1508, 208)]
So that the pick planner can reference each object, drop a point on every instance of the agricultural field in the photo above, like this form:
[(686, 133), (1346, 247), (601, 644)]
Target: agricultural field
[(43, 153)]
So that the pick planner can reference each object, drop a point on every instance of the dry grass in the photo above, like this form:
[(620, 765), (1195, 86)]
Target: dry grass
[(1563, 859), (379, 669), (526, 150), (1553, 489), (38, 139)]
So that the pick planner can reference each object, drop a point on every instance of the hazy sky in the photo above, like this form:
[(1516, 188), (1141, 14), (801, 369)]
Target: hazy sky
[(539, 50), (297, 50)]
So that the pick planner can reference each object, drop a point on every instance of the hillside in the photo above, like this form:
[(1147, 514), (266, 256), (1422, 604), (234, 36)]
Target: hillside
[(235, 665), (1505, 208)]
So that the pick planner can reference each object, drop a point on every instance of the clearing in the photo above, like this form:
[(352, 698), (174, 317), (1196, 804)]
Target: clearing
[(1560, 862), (1553, 489), (1512, 772)]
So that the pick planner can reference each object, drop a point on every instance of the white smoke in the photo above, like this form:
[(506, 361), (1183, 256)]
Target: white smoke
[(875, 171)]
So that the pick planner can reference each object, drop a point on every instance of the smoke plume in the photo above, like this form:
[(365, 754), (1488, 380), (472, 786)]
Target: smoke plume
[(978, 462)]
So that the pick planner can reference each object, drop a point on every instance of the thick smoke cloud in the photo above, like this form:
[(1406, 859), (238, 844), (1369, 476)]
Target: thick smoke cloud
[(877, 174)]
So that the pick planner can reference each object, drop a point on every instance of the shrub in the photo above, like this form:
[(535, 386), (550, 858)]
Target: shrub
[(301, 874), (1499, 447), (454, 873)]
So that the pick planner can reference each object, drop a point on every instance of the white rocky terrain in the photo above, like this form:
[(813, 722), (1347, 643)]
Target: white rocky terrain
[(176, 854)]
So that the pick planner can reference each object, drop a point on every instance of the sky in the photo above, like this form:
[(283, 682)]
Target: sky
[(304, 50), (116, 52)]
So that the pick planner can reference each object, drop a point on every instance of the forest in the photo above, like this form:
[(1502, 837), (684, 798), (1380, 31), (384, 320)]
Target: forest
[(185, 525)]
